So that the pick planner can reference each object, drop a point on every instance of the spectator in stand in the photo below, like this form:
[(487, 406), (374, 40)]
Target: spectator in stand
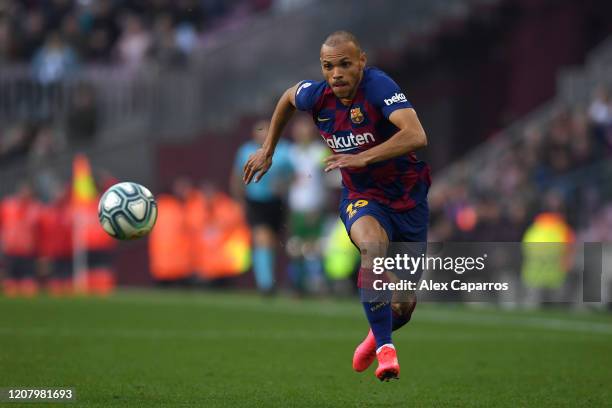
[(134, 43), (98, 49), (103, 15), (41, 165), (19, 223), (72, 34), (600, 110), (82, 120), (600, 113), (33, 34), (186, 38), (557, 148), (582, 145), (189, 12), (54, 61), (307, 199), (6, 41), (165, 49), (16, 141), (55, 12)]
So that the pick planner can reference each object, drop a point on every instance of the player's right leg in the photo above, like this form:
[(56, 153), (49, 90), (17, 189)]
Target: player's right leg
[(372, 240)]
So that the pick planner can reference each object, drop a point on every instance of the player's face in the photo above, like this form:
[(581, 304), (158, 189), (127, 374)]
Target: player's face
[(342, 67)]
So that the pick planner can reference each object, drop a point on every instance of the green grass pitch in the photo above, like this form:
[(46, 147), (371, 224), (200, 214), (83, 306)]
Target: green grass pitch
[(202, 349)]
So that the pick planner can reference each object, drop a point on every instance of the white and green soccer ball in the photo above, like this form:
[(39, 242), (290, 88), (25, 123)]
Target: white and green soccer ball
[(127, 211)]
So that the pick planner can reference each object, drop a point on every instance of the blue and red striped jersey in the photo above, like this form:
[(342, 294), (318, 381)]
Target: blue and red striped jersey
[(399, 183)]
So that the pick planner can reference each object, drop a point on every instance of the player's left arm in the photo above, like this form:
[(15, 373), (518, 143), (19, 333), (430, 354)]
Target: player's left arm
[(410, 137)]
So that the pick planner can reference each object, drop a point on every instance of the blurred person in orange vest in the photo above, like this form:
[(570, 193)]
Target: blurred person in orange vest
[(55, 242), (19, 218), (93, 247), (222, 243), (170, 255), (100, 249)]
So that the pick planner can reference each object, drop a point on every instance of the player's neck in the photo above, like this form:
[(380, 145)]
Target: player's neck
[(348, 101)]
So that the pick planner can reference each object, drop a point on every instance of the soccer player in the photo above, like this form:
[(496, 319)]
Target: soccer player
[(373, 130), (307, 199), (264, 204)]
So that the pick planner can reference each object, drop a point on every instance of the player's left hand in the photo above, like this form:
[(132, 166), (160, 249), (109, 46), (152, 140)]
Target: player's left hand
[(339, 161), (256, 166)]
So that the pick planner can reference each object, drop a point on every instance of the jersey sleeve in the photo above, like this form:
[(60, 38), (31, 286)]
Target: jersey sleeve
[(307, 94), (385, 94)]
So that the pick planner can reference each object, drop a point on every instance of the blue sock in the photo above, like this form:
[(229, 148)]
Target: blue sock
[(263, 267), (380, 318)]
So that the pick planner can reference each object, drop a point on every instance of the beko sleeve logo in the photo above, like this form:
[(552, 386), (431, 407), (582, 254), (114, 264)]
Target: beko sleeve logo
[(398, 97), (304, 85)]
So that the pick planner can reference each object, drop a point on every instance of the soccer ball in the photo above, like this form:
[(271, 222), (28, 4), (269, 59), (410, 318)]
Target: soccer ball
[(127, 211)]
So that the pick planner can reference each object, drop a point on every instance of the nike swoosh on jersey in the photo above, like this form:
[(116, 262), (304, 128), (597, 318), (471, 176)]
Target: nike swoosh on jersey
[(320, 119)]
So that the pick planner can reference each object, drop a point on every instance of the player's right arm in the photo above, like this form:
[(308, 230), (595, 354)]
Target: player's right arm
[(259, 162)]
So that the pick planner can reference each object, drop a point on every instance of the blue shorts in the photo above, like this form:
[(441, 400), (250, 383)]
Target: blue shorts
[(401, 227), (404, 226)]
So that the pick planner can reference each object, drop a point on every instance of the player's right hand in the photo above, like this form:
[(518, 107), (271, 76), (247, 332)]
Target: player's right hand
[(258, 164)]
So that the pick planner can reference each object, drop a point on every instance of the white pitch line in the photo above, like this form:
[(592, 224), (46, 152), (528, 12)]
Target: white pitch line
[(543, 323), (161, 334), (447, 316), (347, 310)]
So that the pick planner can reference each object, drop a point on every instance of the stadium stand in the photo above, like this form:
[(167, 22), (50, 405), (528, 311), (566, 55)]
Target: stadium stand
[(562, 149)]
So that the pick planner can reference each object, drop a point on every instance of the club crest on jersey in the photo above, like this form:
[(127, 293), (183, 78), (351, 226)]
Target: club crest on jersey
[(356, 115)]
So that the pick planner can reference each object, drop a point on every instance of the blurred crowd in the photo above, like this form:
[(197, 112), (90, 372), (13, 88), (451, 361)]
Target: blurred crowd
[(555, 166), (55, 35), (58, 37), (38, 136), (38, 243), (284, 228)]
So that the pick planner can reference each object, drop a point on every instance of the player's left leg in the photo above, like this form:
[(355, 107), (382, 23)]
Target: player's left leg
[(369, 230), (401, 312), (410, 229)]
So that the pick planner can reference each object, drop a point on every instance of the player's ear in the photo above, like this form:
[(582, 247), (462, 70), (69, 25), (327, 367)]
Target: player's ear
[(363, 59)]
